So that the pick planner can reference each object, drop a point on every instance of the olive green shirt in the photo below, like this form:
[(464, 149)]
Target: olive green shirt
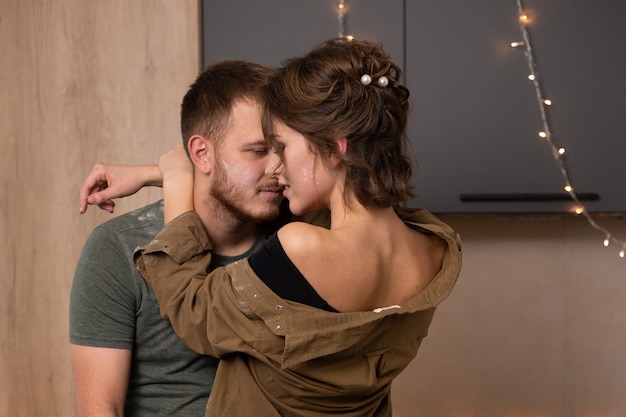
[(281, 358)]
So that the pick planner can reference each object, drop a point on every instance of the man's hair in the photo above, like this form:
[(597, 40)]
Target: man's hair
[(207, 106), (322, 96)]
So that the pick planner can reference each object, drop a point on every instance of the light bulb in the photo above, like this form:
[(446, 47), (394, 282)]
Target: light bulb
[(607, 240), (542, 134), (531, 77), (568, 188), (579, 210), (561, 151), (547, 102), (517, 44)]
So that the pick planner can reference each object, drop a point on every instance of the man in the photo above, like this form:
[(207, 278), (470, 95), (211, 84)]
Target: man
[(126, 359)]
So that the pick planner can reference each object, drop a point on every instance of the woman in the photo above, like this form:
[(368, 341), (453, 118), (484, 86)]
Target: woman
[(319, 321)]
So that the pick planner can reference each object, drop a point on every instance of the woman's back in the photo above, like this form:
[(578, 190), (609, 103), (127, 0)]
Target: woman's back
[(371, 260)]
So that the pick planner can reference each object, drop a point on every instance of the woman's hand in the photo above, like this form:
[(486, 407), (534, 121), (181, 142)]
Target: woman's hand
[(177, 173), (106, 182)]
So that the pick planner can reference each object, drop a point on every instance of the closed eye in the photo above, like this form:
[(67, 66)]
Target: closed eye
[(261, 151)]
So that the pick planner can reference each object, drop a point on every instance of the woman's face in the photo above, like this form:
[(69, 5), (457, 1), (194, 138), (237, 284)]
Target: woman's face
[(307, 183)]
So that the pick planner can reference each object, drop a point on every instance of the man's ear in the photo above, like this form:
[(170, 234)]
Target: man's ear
[(342, 147), (201, 153)]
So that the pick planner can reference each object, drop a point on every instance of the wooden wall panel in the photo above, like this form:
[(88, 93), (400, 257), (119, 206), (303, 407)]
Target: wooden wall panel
[(80, 82)]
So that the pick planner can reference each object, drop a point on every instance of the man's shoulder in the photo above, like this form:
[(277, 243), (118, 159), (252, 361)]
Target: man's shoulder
[(109, 247), (144, 217), (133, 228)]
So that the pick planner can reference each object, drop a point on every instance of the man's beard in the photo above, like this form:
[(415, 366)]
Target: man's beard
[(233, 202)]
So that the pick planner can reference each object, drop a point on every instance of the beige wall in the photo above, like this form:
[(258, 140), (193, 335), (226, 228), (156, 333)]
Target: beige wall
[(81, 81), (536, 326)]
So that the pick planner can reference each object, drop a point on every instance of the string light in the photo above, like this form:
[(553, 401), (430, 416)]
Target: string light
[(546, 133)]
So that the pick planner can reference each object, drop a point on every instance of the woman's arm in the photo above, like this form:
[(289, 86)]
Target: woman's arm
[(107, 182), (202, 307), (177, 173)]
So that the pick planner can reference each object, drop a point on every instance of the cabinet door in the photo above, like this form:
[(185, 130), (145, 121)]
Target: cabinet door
[(476, 116), (269, 31)]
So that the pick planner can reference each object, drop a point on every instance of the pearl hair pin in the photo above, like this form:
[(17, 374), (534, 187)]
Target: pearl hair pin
[(366, 79)]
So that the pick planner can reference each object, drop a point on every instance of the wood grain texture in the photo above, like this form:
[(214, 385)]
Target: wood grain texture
[(81, 82)]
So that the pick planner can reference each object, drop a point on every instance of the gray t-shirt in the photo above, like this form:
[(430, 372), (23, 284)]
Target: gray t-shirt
[(111, 306)]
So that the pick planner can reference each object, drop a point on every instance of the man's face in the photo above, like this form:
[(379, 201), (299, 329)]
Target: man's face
[(239, 181)]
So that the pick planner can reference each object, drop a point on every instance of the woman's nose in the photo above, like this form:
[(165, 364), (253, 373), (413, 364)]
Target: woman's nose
[(274, 164)]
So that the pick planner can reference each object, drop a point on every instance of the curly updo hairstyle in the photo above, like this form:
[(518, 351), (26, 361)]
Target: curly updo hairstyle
[(321, 95)]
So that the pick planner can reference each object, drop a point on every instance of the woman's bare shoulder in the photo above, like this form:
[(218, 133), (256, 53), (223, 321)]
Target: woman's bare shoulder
[(300, 237)]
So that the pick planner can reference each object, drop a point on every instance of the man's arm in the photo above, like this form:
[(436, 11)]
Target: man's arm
[(100, 379), (102, 323)]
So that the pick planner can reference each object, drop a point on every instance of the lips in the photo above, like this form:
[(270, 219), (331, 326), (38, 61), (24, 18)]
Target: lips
[(275, 189)]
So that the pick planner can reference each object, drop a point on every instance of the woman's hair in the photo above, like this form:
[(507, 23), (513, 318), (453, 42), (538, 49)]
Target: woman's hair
[(326, 95)]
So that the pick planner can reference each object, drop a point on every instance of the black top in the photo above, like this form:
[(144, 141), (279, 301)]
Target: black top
[(275, 269)]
